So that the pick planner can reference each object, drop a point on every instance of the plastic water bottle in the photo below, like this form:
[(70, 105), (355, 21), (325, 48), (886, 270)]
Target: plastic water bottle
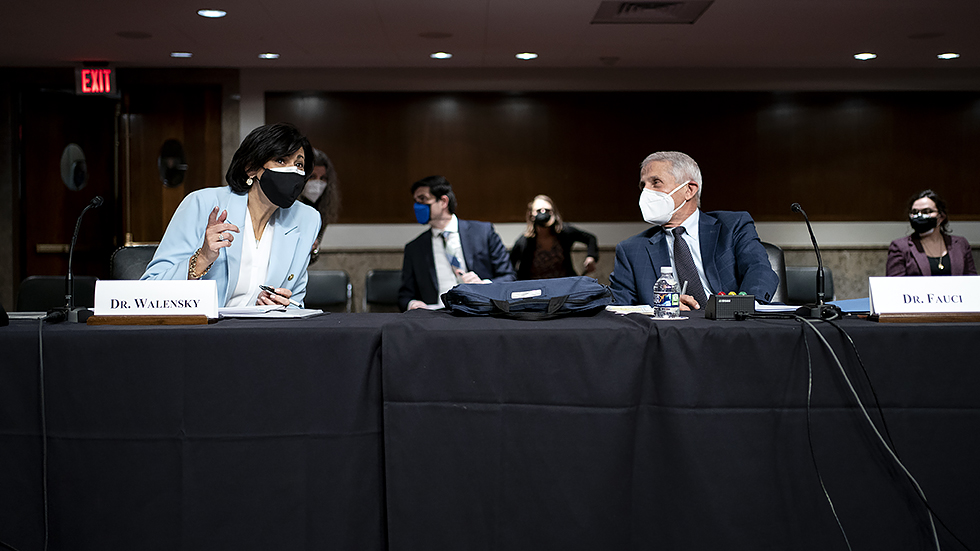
[(667, 299)]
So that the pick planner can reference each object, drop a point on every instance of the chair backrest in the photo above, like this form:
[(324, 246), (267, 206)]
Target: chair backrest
[(381, 290), (801, 284), (778, 264), (329, 290), (42, 293), (129, 261)]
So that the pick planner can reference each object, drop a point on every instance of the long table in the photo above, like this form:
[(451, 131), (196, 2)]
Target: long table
[(428, 431)]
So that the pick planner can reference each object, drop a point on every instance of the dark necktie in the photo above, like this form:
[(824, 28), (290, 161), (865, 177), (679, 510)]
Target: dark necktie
[(686, 270)]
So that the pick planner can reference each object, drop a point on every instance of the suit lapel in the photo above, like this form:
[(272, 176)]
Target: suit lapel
[(237, 211), (919, 254), (657, 249), (464, 233), (285, 240), (429, 261), (708, 228)]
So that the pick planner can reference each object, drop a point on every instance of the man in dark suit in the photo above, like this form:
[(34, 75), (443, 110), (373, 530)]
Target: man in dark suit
[(711, 251), (452, 251)]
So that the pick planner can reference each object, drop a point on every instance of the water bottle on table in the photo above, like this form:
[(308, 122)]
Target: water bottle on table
[(667, 298)]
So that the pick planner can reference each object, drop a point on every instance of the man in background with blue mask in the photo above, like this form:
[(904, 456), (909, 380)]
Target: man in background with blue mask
[(450, 252), (711, 252)]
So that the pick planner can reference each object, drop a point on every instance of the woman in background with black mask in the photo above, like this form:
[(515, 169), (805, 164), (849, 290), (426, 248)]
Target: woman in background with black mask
[(322, 192), (545, 249), (930, 250), (251, 232)]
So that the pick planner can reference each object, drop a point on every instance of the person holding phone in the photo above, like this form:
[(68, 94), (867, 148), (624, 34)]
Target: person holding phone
[(251, 232)]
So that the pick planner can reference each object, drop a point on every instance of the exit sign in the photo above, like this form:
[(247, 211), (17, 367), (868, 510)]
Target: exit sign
[(96, 81)]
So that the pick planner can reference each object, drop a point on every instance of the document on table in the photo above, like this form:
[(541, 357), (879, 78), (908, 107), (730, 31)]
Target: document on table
[(267, 312)]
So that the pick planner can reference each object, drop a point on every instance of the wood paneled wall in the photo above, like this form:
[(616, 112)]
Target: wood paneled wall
[(843, 156)]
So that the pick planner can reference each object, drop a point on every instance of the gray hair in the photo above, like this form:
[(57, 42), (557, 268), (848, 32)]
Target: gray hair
[(682, 167)]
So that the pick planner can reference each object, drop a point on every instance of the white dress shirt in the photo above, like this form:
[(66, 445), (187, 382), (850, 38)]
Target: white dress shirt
[(445, 275), (255, 263)]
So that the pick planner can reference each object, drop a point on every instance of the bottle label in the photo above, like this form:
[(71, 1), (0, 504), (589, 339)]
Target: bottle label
[(666, 300)]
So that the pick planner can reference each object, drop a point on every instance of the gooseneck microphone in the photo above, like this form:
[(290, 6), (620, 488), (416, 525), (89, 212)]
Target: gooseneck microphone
[(821, 309), (95, 203)]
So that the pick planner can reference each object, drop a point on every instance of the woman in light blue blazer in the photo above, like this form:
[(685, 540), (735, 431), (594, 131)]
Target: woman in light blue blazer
[(252, 232)]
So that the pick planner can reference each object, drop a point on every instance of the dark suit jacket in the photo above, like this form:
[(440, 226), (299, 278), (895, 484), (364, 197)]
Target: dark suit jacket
[(522, 255), (483, 252), (734, 259), (906, 257)]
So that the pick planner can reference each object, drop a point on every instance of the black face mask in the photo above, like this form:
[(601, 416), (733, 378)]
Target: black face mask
[(923, 224), (282, 188), (542, 218)]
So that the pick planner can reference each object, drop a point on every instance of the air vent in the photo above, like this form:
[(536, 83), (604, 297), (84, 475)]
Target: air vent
[(650, 13)]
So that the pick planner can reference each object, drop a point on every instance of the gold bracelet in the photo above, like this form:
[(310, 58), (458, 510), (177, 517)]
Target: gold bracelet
[(192, 266)]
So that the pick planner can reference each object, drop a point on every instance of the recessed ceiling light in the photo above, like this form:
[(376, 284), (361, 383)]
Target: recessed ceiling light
[(948, 55), (212, 13), (441, 55), (526, 55), (268, 55), (865, 56), (181, 54)]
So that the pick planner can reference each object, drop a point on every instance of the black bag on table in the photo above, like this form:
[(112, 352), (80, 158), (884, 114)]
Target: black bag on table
[(535, 299)]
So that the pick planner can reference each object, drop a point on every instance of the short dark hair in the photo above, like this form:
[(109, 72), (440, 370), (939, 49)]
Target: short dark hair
[(262, 145), (940, 206), (438, 186)]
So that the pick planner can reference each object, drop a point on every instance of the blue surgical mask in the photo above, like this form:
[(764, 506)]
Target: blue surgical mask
[(423, 212)]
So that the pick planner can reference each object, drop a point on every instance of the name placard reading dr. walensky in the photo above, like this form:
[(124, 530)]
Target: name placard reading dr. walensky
[(924, 294), (156, 298)]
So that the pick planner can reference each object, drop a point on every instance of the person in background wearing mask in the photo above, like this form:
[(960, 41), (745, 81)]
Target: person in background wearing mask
[(322, 192), (251, 232), (545, 249), (450, 252), (930, 250), (713, 252)]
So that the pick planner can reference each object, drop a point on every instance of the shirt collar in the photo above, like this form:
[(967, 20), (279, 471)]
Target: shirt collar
[(692, 223), (452, 226)]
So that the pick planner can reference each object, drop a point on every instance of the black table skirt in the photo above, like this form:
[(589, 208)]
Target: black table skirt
[(427, 431), (244, 434), (627, 433)]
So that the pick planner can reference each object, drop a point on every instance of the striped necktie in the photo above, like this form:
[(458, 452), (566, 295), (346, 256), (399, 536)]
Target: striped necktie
[(450, 256)]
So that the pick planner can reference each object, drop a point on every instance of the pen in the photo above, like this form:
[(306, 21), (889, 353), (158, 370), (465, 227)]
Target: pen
[(273, 291), (684, 288)]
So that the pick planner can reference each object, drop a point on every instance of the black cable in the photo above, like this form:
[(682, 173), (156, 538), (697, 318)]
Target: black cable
[(885, 426), (809, 438), (44, 430), (8, 546), (874, 428)]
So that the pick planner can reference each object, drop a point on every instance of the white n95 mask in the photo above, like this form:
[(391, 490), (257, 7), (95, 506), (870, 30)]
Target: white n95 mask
[(657, 206)]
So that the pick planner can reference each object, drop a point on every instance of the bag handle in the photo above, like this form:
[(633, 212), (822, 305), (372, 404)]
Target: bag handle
[(554, 305)]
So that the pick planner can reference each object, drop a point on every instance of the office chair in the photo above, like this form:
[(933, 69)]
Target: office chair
[(778, 264), (329, 290), (129, 261), (801, 284), (381, 290), (42, 293)]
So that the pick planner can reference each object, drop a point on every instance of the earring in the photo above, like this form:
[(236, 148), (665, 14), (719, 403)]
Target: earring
[(249, 182)]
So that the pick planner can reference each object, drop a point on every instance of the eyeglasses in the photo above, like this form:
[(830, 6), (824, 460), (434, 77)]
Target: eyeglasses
[(543, 211), (913, 212)]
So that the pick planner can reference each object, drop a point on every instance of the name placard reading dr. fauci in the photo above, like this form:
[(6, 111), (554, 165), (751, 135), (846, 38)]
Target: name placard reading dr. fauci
[(924, 295), (156, 298)]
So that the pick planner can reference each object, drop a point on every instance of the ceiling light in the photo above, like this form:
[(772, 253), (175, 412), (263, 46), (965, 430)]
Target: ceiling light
[(949, 55), (269, 55), (441, 55), (212, 13), (526, 55), (181, 54), (865, 56)]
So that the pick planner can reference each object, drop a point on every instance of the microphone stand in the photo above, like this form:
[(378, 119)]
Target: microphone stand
[(820, 310), (69, 312)]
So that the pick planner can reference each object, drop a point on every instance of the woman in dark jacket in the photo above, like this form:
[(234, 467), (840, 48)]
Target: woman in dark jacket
[(545, 249), (930, 250)]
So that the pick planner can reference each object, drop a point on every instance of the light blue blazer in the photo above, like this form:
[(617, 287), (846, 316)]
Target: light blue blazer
[(295, 229)]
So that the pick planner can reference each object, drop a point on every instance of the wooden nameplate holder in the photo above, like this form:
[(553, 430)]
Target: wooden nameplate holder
[(148, 320), (947, 317)]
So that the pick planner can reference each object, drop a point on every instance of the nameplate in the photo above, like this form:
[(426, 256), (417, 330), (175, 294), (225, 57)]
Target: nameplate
[(924, 294), (156, 298)]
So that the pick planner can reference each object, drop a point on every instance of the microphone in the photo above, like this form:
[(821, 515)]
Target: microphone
[(71, 313), (820, 310)]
